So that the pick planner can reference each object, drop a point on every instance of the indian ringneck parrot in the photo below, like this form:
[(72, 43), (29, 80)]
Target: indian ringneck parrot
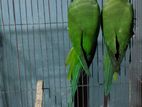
[(83, 29), (117, 26)]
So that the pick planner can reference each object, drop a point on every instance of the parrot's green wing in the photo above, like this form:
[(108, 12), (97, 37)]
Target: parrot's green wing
[(83, 28), (78, 22), (76, 36), (117, 24)]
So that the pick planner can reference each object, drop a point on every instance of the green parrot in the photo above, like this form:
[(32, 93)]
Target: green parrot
[(83, 28), (117, 26)]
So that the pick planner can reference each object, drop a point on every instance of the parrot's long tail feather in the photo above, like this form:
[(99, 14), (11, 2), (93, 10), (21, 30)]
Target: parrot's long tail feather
[(75, 69), (108, 74)]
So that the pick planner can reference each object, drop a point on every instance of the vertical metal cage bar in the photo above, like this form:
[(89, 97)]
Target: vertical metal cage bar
[(17, 52), (49, 8), (46, 48), (57, 33), (29, 56), (62, 19), (2, 95), (6, 96), (5, 64), (25, 72)]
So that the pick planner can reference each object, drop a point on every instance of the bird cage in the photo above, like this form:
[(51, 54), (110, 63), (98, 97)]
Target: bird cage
[(33, 46)]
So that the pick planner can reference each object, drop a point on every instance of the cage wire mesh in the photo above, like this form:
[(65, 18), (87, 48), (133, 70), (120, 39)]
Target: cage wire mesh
[(33, 45)]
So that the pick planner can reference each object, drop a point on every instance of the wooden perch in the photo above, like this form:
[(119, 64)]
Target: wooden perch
[(39, 93)]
